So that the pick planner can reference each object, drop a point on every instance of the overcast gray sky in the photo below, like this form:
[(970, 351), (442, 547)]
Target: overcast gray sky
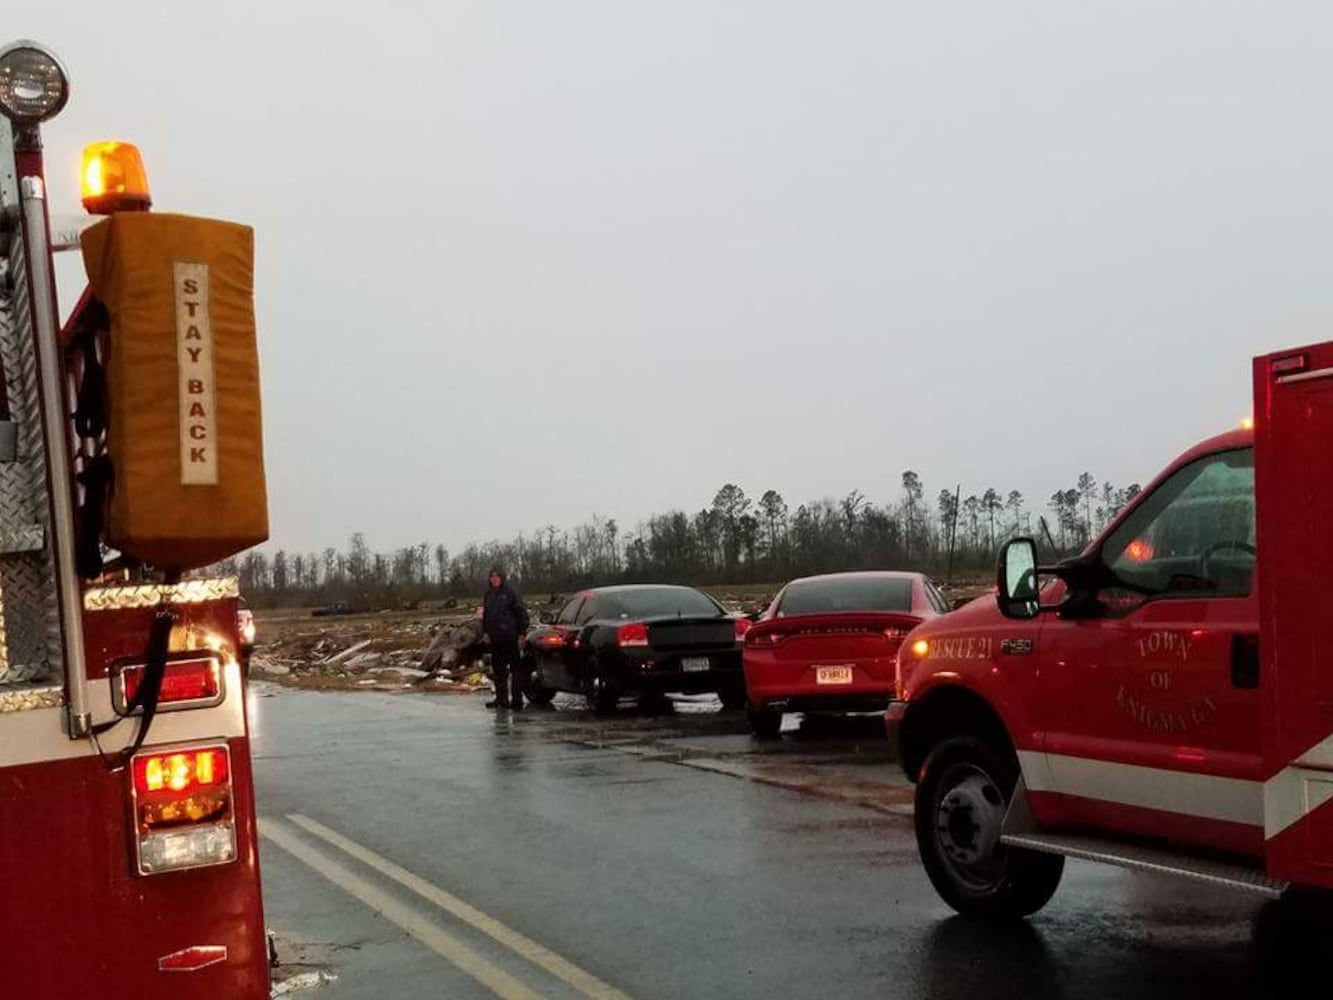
[(519, 262)]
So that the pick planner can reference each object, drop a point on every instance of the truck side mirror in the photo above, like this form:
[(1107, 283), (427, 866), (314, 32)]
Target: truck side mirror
[(1016, 579)]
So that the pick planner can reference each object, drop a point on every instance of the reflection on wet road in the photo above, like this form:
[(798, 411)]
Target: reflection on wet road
[(671, 855)]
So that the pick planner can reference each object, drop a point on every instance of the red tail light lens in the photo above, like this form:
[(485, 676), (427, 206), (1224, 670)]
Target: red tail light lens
[(183, 809), (550, 640), (180, 772), (753, 638), (895, 634), (634, 634), (743, 625), (195, 681)]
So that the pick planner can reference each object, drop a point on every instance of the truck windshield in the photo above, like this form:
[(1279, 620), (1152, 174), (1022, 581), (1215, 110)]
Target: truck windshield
[(1194, 533)]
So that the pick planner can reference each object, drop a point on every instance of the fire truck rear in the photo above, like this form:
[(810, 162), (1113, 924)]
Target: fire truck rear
[(1163, 701), (127, 819)]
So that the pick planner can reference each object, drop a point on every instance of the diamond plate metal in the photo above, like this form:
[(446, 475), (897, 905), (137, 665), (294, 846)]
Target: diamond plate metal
[(25, 699), (1159, 861), (30, 638), (18, 540), (151, 595)]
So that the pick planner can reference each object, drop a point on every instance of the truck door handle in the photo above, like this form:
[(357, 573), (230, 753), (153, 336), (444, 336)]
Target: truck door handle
[(1245, 661)]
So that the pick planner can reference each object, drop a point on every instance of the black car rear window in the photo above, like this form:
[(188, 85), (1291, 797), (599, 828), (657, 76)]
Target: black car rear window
[(657, 601), (814, 597)]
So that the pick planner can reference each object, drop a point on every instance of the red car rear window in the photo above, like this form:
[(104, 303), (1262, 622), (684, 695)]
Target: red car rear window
[(816, 597)]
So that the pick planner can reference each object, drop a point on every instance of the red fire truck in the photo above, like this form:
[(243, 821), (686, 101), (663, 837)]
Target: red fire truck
[(127, 819), (1160, 701)]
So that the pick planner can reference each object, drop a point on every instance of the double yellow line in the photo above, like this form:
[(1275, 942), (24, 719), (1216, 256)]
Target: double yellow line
[(448, 947)]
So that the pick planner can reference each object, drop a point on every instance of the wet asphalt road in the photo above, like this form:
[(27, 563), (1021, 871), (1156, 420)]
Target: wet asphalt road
[(666, 856)]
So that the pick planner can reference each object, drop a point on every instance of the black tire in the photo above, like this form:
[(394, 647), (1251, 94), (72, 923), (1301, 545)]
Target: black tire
[(765, 723), (732, 696), (601, 693), (538, 693), (961, 797)]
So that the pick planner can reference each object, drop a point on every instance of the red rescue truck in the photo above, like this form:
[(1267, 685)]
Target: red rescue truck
[(128, 862), (1164, 700)]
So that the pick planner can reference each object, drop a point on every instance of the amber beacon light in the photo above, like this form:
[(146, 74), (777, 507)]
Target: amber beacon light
[(114, 179)]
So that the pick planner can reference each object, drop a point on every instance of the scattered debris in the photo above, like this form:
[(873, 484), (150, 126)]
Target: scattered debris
[(460, 644), (435, 647), (380, 652), (399, 673), (346, 654), (303, 981), (363, 662)]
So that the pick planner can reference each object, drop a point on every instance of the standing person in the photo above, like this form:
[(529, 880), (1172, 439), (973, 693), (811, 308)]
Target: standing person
[(504, 623)]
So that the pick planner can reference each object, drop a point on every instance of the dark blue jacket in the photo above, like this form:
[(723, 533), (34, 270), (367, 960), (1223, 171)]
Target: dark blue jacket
[(503, 615)]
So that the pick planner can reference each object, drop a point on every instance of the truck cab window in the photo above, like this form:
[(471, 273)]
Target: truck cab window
[(1194, 536)]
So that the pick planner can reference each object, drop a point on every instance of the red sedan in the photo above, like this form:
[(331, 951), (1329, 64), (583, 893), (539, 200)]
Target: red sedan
[(828, 644)]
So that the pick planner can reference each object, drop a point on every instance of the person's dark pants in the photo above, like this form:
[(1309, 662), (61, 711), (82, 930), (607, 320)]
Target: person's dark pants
[(508, 673)]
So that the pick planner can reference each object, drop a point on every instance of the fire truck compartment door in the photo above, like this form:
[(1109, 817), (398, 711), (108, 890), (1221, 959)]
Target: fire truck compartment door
[(1293, 395)]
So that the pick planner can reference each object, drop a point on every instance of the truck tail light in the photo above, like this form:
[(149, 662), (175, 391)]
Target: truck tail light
[(1289, 365), (185, 683), (183, 809), (743, 625), (633, 634)]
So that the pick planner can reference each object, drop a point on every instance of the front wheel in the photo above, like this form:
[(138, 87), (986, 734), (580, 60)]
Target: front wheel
[(961, 798)]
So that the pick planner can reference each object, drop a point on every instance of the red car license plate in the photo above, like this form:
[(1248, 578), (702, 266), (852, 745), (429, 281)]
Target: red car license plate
[(833, 675)]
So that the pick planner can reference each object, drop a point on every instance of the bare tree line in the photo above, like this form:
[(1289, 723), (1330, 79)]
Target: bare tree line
[(734, 540)]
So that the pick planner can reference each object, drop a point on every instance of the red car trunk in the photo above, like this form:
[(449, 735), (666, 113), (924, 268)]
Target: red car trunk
[(824, 655)]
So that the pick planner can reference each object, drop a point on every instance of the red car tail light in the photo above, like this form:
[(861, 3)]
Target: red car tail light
[(896, 634), (185, 684), (743, 625), (763, 638), (633, 634), (183, 814), (551, 640)]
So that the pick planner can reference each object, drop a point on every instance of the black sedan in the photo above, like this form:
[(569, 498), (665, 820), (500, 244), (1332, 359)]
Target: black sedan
[(638, 640)]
